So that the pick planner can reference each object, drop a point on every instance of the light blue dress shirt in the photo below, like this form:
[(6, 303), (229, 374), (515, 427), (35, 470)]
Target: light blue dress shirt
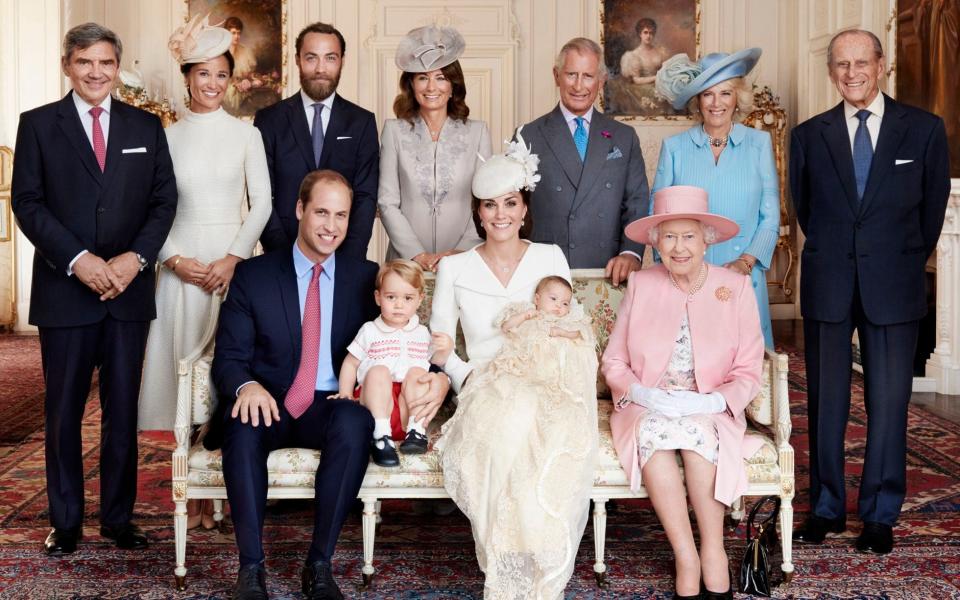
[(326, 377), (742, 186)]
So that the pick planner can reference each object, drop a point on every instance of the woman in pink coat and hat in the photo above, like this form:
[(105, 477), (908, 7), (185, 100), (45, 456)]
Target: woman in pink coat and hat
[(684, 361)]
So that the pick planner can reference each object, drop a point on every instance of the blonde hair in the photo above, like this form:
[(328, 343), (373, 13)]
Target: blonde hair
[(553, 279), (407, 270), (743, 91)]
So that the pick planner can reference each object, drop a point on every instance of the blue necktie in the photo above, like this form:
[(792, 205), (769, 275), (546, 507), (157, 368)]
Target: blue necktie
[(862, 152), (580, 138), (317, 132)]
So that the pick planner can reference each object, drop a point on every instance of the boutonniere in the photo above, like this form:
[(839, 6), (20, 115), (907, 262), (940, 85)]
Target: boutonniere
[(606, 134)]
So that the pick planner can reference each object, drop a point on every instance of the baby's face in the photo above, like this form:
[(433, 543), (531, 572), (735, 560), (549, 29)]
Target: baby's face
[(553, 299), (398, 300)]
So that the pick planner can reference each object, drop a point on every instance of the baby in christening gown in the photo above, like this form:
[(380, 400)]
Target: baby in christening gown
[(518, 454)]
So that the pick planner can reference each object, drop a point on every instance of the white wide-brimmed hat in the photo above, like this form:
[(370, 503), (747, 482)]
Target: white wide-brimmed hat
[(512, 171), (429, 48), (197, 41), (681, 202)]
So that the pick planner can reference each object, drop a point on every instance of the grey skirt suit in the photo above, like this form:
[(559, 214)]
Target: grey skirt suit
[(424, 194)]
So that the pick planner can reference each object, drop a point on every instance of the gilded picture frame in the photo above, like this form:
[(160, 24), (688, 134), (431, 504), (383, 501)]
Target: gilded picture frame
[(637, 36), (259, 50)]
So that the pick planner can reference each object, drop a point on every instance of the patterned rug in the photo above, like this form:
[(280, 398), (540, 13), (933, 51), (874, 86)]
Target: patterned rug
[(21, 388), (430, 556)]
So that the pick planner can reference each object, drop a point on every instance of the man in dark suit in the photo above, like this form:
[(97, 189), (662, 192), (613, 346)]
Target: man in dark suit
[(278, 375), (870, 181), (94, 192), (593, 181), (318, 129)]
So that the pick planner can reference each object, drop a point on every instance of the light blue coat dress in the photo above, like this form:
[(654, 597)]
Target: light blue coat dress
[(742, 186)]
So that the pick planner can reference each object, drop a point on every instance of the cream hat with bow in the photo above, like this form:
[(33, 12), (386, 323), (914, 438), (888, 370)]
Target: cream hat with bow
[(429, 48)]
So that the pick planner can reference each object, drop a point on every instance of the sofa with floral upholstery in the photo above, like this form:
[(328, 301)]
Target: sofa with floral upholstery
[(197, 472)]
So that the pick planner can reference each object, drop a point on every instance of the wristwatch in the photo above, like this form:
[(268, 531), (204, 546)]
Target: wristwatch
[(142, 261)]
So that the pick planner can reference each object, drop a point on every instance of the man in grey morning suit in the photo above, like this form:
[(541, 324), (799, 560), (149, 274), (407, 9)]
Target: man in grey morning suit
[(593, 181)]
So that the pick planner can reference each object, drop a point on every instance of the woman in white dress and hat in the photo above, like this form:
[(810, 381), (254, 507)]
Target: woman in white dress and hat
[(429, 153), (221, 167)]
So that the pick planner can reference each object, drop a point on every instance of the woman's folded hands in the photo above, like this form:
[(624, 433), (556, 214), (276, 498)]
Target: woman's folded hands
[(677, 403)]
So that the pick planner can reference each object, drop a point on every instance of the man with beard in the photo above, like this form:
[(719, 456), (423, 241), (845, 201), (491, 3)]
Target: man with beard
[(317, 129)]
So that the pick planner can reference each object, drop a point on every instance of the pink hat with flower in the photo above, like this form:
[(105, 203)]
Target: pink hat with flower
[(681, 202)]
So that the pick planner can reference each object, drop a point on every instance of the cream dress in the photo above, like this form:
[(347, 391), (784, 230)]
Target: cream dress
[(518, 455), (219, 163)]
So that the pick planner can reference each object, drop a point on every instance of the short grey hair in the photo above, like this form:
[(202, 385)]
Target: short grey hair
[(877, 46), (83, 36), (583, 46), (709, 233)]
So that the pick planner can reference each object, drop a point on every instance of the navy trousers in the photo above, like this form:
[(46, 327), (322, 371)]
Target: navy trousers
[(340, 429), (887, 357), (70, 354)]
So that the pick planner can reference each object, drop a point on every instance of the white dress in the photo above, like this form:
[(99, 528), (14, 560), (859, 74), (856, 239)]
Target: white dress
[(219, 163), (518, 454)]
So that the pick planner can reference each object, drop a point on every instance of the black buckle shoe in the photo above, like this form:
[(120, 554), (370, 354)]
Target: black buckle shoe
[(62, 541), (415, 443), (385, 456), (251, 583), (317, 583), (126, 537), (815, 530), (876, 538)]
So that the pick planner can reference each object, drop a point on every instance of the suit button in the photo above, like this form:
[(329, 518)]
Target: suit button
[(572, 246), (100, 211), (599, 215), (736, 247), (571, 217), (559, 189), (859, 225), (608, 185)]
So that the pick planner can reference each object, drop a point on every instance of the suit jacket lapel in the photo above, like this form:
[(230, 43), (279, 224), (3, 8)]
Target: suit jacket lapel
[(300, 129), (560, 142), (335, 127), (892, 128), (69, 123), (598, 147), (287, 280), (837, 139), (119, 129)]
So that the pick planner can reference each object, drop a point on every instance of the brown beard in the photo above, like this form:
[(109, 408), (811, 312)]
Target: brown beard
[(319, 89)]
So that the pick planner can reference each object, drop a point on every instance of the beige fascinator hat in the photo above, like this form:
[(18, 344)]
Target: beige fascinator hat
[(429, 48), (512, 171), (197, 41), (681, 202)]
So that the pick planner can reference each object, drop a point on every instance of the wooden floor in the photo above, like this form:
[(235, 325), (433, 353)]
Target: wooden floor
[(948, 407)]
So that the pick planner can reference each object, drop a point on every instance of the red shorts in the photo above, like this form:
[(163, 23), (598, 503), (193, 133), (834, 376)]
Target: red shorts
[(396, 428)]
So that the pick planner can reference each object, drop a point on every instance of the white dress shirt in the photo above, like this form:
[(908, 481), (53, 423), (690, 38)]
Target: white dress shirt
[(86, 120), (571, 119), (308, 109), (873, 121)]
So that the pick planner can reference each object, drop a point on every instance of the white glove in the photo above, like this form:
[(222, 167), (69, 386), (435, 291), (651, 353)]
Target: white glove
[(654, 399), (694, 403)]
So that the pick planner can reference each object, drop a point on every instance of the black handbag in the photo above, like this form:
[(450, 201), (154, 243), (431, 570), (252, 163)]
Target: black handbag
[(755, 565)]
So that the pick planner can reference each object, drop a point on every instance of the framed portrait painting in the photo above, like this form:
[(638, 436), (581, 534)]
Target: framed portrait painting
[(637, 37), (928, 52), (259, 72)]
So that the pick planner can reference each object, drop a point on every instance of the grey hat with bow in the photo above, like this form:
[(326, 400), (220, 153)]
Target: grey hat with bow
[(429, 48)]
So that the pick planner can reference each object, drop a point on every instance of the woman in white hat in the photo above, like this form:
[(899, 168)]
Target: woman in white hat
[(220, 165), (429, 152), (516, 457), (683, 362), (733, 163)]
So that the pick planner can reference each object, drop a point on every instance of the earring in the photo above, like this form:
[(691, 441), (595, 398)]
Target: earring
[(521, 222)]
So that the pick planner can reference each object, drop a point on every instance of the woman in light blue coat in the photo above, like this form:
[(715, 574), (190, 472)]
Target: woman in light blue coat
[(733, 163)]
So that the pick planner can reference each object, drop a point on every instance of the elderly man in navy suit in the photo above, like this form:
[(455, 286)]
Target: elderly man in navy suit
[(319, 129), (94, 192), (282, 337), (870, 182)]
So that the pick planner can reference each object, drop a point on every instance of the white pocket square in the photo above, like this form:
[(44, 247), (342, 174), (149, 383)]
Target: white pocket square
[(615, 153), (140, 150), (901, 161), (344, 137)]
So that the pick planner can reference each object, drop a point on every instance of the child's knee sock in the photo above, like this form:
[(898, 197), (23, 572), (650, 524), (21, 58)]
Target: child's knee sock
[(381, 427), (416, 425)]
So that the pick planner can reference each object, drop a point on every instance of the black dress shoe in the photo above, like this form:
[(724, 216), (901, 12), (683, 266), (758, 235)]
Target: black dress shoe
[(251, 583), (876, 538), (815, 530), (383, 452), (708, 595), (677, 596), (317, 583), (127, 537), (61, 541), (415, 443)]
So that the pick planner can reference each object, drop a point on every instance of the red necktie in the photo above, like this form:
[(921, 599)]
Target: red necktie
[(99, 144), (300, 395)]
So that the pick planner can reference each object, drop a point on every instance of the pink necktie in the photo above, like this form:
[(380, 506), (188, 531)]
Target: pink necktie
[(99, 144), (300, 395)]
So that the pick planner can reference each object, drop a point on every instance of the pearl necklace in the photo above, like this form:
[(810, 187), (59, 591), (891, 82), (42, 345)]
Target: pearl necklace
[(701, 278), (716, 142)]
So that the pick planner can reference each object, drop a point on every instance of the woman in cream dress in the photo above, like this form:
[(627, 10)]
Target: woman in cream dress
[(527, 502), (220, 165), (429, 152)]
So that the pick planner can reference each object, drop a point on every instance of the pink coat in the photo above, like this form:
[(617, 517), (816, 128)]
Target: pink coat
[(727, 352)]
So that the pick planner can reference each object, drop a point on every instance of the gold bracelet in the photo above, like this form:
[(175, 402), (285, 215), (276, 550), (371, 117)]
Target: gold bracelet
[(175, 263)]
